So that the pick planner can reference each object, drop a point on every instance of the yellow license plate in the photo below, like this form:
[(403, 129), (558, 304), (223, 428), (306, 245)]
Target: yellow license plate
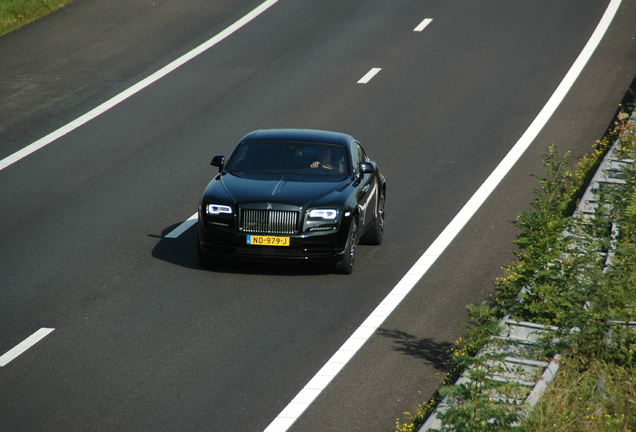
[(267, 240)]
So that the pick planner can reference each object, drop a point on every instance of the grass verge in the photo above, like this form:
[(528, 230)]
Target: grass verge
[(600, 398), (16, 13)]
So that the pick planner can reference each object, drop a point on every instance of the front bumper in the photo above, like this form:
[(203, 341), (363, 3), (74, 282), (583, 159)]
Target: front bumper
[(323, 247)]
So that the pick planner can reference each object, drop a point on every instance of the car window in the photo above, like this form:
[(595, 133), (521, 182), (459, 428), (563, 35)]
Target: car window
[(358, 156), (289, 158), (362, 153)]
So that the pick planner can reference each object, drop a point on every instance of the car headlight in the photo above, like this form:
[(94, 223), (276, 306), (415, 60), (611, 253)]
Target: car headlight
[(325, 214), (215, 209)]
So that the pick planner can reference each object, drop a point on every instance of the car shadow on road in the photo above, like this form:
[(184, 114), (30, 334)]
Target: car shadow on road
[(436, 354), (182, 251)]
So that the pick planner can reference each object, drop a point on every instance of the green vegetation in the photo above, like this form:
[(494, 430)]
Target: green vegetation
[(574, 273), (595, 389), (16, 13), (598, 397)]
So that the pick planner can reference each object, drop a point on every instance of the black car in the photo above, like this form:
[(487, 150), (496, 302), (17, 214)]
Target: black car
[(292, 195)]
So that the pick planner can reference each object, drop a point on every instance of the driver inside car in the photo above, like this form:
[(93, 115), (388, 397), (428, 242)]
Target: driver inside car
[(324, 160)]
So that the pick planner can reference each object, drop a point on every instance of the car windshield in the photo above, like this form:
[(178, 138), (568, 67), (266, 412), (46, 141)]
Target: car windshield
[(289, 158)]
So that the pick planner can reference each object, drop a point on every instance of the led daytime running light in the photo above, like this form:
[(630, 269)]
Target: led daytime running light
[(215, 209), (327, 214)]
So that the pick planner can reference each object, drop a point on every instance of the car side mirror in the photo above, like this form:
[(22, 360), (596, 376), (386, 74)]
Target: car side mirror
[(367, 167), (218, 161)]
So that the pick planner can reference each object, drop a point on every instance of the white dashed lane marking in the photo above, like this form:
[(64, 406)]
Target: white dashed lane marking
[(183, 227), (423, 25), (373, 72)]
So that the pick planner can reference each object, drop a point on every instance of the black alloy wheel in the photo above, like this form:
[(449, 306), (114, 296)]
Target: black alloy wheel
[(346, 265), (375, 234)]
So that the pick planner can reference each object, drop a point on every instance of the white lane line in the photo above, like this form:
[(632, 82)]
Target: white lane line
[(423, 25), (42, 142), (373, 72), (24, 345), (183, 227), (320, 381)]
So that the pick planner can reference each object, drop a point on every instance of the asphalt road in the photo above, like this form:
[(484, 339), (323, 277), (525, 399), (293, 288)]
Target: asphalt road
[(144, 339)]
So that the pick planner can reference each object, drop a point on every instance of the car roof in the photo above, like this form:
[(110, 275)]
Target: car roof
[(299, 135)]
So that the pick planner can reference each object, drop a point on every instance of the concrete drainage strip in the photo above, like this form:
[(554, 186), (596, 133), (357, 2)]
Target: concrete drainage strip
[(518, 342)]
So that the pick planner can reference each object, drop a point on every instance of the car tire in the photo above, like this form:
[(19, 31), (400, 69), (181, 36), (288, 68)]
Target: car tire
[(375, 234), (346, 265)]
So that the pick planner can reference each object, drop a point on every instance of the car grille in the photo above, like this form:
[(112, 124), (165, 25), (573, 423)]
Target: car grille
[(269, 221)]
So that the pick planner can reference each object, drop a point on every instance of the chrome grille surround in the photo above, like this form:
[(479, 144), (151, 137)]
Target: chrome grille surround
[(269, 221)]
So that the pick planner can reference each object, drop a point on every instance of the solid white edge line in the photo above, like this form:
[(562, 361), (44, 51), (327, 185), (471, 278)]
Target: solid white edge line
[(423, 25), (320, 381), (373, 72), (183, 227), (95, 112), (24, 345)]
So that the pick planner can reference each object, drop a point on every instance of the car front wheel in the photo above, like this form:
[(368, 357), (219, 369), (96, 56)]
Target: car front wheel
[(346, 265), (376, 232)]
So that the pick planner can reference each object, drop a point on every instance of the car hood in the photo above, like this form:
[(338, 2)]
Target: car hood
[(284, 189)]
